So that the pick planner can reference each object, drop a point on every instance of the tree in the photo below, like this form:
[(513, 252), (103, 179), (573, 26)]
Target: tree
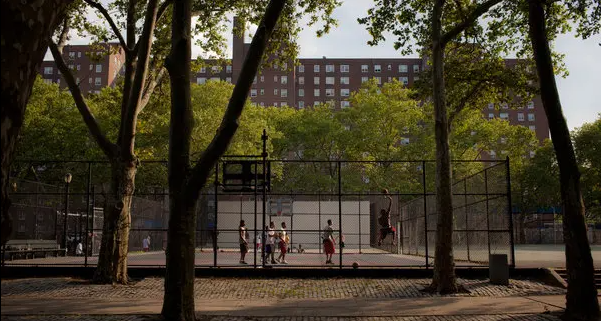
[(582, 302), (26, 27), (185, 181), (423, 22), (587, 142)]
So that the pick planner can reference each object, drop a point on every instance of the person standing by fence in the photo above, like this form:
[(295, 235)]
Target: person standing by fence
[(146, 244), (284, 239), (328, 242), (243, 241)]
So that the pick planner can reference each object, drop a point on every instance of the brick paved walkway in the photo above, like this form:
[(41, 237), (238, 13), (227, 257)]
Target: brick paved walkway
[(516, 317), (231, 288)]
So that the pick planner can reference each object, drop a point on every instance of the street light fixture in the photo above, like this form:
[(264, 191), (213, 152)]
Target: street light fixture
[(68, 177)]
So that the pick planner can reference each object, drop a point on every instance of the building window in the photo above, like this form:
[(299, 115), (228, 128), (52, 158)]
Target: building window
[(532, 128), (283, 92), (329, 68), (379, 80), (301, 80), (98, 68), (76, 80), (48, 70), (91, 67), (215, 79), (404, 80), (532, 154), (201, 80), (284, 80), (301, 92), (389, 67), (79, 54), (283, 103), (228, 69), (364, 79), (329, 80), (492, 154), (315, 68), (345, 92), (72, 67), (377, 68), (228, 79), (285, 66), (403, 68), (253, 93), (262, 91), (520, 116), (505, 106), (405, 141), (72, 54), (98, 81), (21, 228), (344, 68), (301, 104), (262, 104), (301, 68), (262, 78), (215, 69), (78, 67), (344, 80), (275, 91), (275, 104), (491, 106), (345, 104), (364, 68), (530, 117), (504, 116), (316, 103), (315, 92), (330, 92), (530, 105), (90, 81), (275, 78), (48, 81), (491, 116), (316, 80), (21, 216), (415, 78), (415, 68), (203, 70)]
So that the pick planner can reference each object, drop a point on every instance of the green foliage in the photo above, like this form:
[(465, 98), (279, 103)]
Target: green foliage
[(587, 142)]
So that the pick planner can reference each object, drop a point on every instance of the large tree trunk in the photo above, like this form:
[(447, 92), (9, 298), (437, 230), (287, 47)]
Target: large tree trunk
[(582, 302), (178, 302), (444, 280), (26, 26), (112, 259)]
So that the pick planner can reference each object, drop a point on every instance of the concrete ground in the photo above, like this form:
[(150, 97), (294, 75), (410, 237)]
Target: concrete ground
[(526, 256)]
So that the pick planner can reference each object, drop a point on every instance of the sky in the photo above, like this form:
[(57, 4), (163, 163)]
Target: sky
[(580, 91)]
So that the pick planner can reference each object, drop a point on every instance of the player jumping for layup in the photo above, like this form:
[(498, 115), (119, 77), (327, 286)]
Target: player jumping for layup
[(384, 220)]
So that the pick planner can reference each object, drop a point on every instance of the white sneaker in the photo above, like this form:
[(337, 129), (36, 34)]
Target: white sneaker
[(284, 262)]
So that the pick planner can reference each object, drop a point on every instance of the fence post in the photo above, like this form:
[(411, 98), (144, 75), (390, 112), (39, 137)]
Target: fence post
[(510, 213), (467, 232), (340, 211), (93, 214), (255, 232), (88, 213), (360, 236), (487, 210), (264, 192), (425, 213), (319, 240), (216, 212)]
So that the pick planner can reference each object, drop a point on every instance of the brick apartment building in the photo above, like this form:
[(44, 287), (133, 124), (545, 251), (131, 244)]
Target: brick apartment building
[(311, 82)]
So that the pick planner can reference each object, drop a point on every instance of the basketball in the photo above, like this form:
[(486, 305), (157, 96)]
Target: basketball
[(355, 265)]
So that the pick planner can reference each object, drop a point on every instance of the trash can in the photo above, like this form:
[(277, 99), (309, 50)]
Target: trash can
[(498, 269)]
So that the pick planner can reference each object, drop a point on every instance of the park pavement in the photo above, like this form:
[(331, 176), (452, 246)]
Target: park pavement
[(282, 299)]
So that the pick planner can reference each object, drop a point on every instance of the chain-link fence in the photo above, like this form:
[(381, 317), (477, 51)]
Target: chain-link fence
[(288, 208)]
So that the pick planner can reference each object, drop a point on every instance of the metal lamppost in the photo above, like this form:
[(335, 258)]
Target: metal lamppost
[(67, 179)]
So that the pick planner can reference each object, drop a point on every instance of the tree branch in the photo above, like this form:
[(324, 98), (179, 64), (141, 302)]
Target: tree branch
[(131, 112), (105, 145), (151, 85), (461, 105), (163, 8), (471, 18), (64, 35), (108, 18), (229, 123)]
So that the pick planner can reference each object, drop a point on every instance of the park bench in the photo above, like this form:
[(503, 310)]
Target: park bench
[(25, 249)]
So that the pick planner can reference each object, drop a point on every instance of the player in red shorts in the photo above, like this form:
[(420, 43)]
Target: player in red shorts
[(328, 242)]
